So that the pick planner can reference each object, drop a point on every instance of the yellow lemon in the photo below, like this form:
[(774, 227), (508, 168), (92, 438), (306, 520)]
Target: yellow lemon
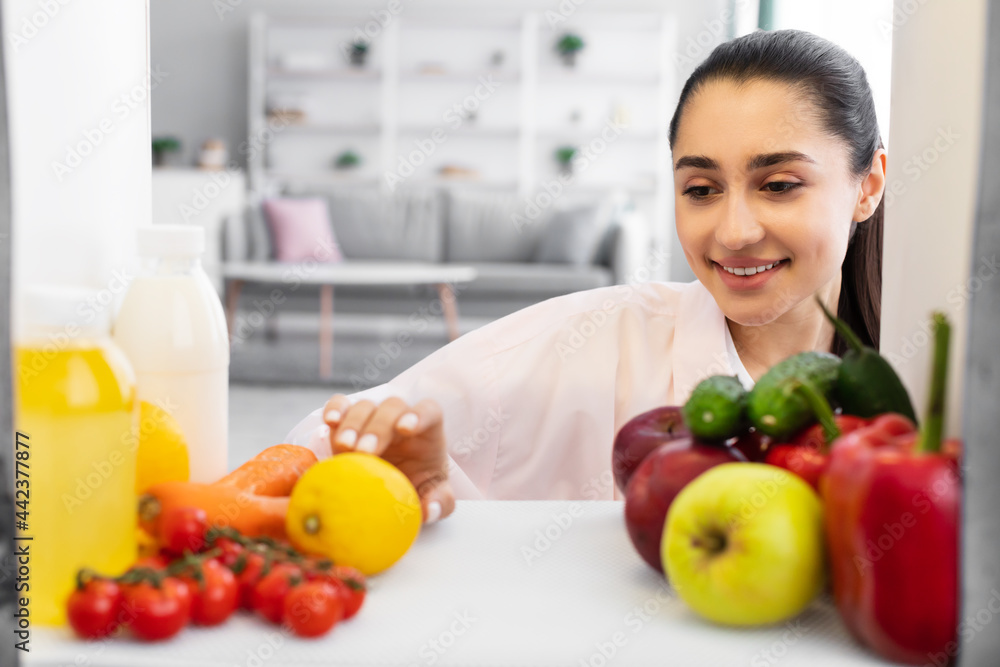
[(355, 509), (163, 452)]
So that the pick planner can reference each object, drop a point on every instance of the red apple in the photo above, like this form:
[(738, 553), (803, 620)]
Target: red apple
[(641, 435), (656, 483)]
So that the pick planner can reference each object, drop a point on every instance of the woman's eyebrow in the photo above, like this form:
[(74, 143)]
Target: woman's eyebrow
[(697, 162), (770, 159), (756, 162)]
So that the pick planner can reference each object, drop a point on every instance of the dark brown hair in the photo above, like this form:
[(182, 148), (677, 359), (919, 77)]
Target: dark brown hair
[(836, 83)]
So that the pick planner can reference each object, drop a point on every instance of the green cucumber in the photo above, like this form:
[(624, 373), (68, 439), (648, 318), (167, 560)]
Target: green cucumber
[(777, 406), (716, 409), (866, 384)]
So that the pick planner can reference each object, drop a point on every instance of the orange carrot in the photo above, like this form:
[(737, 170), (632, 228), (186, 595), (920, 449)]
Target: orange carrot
[(273, 472), (253, 499)]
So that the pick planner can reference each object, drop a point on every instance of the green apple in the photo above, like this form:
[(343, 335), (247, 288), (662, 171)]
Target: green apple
[(743, 544)]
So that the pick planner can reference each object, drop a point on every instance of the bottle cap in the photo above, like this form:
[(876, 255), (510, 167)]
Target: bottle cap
[(66, 309), (171, 241)]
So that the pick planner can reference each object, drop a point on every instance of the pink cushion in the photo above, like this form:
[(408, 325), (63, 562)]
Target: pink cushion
[(301, 230)]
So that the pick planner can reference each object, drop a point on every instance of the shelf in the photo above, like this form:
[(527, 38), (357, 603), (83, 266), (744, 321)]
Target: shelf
[(463, 182), (555, 76), (338, 74), (584, 135), (459, 77), (464, 130), (322, 128), (319, 175)]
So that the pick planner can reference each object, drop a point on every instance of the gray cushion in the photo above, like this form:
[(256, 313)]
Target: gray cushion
[(406, 226), (483, 227), (539, 279), (259, 234), (572, 237)]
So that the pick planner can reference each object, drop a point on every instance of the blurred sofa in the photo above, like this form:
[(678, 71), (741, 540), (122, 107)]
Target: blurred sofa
[(523, 252)]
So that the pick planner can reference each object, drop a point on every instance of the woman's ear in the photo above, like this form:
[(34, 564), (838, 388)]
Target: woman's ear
[(872, 188)]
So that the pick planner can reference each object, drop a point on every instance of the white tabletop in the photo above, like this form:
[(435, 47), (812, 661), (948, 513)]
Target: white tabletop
[(349, 272), (498, 583)]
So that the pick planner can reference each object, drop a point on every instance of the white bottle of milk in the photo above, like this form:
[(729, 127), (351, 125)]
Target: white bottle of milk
[(172, 327)]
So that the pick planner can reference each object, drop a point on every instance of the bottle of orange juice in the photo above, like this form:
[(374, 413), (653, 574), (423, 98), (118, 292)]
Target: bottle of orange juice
[(75, 410)]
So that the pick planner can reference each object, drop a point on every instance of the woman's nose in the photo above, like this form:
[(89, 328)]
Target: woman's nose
[(739, 227)]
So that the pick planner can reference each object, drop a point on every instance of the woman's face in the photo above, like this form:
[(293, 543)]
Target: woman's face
[(764, 198)]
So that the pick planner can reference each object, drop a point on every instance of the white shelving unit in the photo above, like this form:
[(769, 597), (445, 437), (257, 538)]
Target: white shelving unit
[(423, 67)]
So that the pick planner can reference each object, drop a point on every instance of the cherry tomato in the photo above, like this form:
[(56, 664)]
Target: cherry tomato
[(268, 596), (216, 596), (93, 608), (354, 588), (247, 568), (183, 529), (231, 551), (313, 608), (157, 562), (157, 612)]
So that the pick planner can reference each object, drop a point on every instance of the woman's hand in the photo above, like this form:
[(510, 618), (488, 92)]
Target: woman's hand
[(410, 438)]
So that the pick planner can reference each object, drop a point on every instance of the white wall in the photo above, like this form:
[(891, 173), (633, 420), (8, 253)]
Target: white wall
[(938, 66), (79, 128)]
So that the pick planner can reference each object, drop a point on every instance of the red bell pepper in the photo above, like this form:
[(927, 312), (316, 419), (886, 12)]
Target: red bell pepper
[(892, 498)]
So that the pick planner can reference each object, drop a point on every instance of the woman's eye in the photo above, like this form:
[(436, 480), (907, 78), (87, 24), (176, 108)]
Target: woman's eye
[(698, 191), (780, 186)]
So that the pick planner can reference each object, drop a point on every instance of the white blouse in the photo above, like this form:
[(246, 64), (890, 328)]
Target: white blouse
[(532, 401)]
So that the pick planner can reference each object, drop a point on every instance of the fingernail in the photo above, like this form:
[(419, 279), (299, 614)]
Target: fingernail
[(433, 512), (347, 438), (332, 416), (367, 443), (408, 421)]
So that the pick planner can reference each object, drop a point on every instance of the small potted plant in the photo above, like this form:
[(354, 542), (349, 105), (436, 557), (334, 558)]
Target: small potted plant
[(568, 46), (564, 158), (347, 160), (162, 146), (358, 53)]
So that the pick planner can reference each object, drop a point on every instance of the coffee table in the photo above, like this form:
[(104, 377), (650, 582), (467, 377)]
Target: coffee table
[(327, 276)]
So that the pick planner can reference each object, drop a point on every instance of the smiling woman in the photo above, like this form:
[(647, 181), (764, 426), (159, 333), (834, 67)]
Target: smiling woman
[(779, 174)]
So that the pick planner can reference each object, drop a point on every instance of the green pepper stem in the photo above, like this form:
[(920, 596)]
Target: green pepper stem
[(932, 429), (842, 328), (820, 407)]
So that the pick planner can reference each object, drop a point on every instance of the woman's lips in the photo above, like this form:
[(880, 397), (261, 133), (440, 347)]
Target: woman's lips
[(756, 280)]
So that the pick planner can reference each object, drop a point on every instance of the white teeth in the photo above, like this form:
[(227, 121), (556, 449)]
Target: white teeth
[(750, 270)]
